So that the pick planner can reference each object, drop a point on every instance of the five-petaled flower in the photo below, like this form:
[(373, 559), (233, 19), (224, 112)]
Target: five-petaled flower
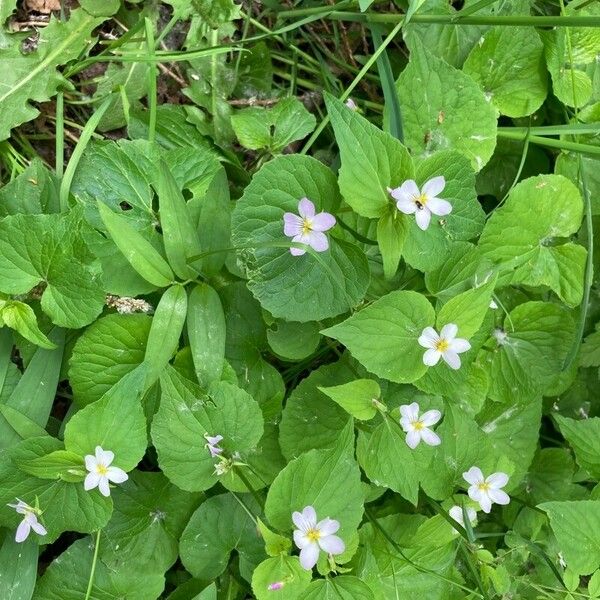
[(308, 228), (100, 471), (213, 444), (312, 537), (456, 512), (422, 203), (486, 491), (445, 345), (417, 428), (29, 522)]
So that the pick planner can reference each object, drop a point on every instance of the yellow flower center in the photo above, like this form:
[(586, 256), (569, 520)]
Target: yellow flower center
[(306, 226), (421, 200), (442, 345), (313, 535), (484, 487), (101, 469), (418, 425)]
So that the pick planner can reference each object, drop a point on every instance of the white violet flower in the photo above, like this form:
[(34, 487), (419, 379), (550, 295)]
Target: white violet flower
[(417, 428), (213, 444), (456, 512), (486, 491), (351, 104), (100, 471), (312, 537), (422, 203), (445, 345), (308, 228), (29, 522)]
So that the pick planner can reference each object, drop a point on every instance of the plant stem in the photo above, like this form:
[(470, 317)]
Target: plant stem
[(60, 134), (549, 142), (150, 44), (93, 570)]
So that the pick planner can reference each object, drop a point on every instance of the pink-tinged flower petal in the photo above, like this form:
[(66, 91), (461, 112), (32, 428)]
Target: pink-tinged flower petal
[(439, 207), (459, 345), (39, 528), (300, 539), (292, 224), (497, 480), (104, 457), (309, 556), (485, 503), (431, 417), (332, 544), (434, 186), (22, 531), (298, 251), (423, 217), (431, 357), (428, 338), (449, 331), (499, 496), (310, 515), (451, 359), (90, 462), (276, 585), (410, 411), (322, 222), (430, 438), (299, 521), (318, 241), (116, 475), (473, 476), (306, 208), (328, 526), (21, 507), (104, 487), (407, 191), (408, 207), (91, 481), (413, 438)]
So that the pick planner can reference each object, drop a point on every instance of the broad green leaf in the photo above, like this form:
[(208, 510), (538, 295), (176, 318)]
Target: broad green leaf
[(20, 317), (206, 331), (165, 331), (275, 544), (372, 160), (293, 341), (273, 128), (298, 288), (179, 235), (149, 516), (219, 526), (101, 8), (569, 164), (576, 526), (186, 414), (116, 422), (508, 64), (142, 256), (527, 245), (383, 336), (22, 425), (392, 230), (18, 568), (67, 578), (344, 587), (443, 107), (107, 350), (590, 350), (284, 569), (328, 480), (33, 76), (356, 397), (584, 437), (54, 466)]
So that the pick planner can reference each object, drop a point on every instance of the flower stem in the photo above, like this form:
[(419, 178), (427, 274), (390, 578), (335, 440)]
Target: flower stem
[(93, 570), (249, 487)]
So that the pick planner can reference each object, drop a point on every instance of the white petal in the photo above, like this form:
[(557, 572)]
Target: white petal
[(410, 411), (292, 225), (104, 457), (310, 516), (407, 191), (300, 539), (497, 480), (434, 186), (459, 345), (473, 476), (298, 251), (309, 556), (439, 207), (430, 438), (90, 462), (430, 417), (456, 513), (328, 526), (22, 531), (422, 217), (485, 503), (406, 424), (449, 332), (428, 338), (472, 514), (299, 521), (431, 357), (475, 493), (332, 544), (499, 496), (318, 241), (91, 481), (39, 528), (104, 487), (452, 359), (408, 207), (116, 475), (306, 208), (413, 438)]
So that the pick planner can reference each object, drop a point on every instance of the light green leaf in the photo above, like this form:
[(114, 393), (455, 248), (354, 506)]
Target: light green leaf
[(444, 108), (54, 466), (344, 587), (20, 317), (284, 569), (590, 350), (273, 128), (18, 568), (297, 288), (219, 526), (508, 64), (275, 544), (550, 477), (293, 341), (356, 397), (383, 336), (392, 230), (372, 160), (525, 243), (584, 437), (106, 351)]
